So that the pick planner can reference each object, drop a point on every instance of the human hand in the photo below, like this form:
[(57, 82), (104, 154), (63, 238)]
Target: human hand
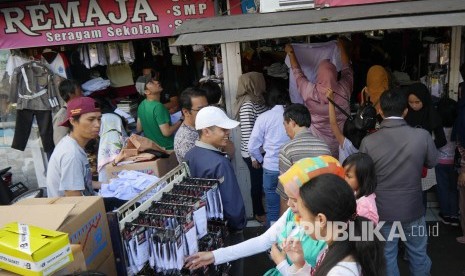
[(199, 259), (330, 93), (293, 248), (255, 164), (461, 180), (277, 255), (289, 49)]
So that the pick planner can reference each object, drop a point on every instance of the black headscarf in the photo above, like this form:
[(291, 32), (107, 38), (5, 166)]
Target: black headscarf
[(427, 117)]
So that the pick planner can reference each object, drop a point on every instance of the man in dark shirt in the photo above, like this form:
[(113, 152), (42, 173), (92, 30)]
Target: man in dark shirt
[(205, 160), (400, 152)]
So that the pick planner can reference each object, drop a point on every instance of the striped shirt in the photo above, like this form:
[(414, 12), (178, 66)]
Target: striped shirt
[(248, 114), (303, 145)]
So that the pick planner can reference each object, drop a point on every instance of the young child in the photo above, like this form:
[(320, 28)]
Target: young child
[(325, 200), (350, 138), (360, 174)]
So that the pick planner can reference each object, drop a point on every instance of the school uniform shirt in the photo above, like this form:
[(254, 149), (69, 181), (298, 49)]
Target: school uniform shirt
[(269, 133), (205, 161), (68, 169)]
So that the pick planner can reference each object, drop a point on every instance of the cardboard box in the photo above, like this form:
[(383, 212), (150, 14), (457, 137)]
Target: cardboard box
[(159, 167), (108, 267), (76, 266), (31, 250), (82, 217)]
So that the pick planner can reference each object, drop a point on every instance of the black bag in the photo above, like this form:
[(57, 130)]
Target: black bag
[(366, 117)]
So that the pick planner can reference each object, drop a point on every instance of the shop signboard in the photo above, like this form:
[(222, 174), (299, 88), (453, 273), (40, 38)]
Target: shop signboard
[(285, 5), (40, 23)]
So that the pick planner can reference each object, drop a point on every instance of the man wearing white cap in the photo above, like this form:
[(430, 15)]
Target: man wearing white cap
[(205, 160)]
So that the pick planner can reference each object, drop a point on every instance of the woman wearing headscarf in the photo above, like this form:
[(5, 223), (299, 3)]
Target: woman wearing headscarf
[(287, 225), (112, 137), (249, 104), (421, 113), (314, 94), (377, 83)]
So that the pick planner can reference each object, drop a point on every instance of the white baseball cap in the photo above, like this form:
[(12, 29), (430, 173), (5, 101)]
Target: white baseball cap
[(213, 116)]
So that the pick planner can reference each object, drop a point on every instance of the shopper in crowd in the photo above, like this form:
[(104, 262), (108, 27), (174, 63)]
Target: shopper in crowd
[(169, 100), (213, 92), (422, 114), (249, 104), (68, 171), (459, 135), (314, 94), (324, 201), (192, 101), (399, 192), (270, 135), (350, 138), (69, 89), (287, 225), (446, 173), (361, 176), (303, 144), (377, 82), (205, 160), (153, 117)]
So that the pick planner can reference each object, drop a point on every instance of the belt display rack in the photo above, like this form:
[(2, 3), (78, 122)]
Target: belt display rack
[(173, 194)]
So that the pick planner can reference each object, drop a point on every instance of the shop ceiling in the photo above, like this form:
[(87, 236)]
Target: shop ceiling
[(393, 15)]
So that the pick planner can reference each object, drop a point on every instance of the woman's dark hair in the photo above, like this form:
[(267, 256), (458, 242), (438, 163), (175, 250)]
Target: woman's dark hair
[(212, 91), (330, 195), (364, 172), (299, 114), (353, 134), (277, 96)]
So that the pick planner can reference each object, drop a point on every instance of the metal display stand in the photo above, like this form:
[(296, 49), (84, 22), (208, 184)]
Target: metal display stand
[(131, 210)]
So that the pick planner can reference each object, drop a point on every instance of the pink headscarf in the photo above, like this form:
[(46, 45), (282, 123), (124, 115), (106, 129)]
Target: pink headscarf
[(326, 78)]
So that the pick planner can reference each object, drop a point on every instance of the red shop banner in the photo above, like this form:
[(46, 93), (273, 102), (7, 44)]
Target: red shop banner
[(40, 23)]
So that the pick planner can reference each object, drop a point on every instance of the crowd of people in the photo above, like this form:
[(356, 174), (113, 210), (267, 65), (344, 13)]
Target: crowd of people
[(314, 166)]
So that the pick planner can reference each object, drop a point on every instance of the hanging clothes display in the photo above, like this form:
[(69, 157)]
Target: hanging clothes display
[(34, 88), (57, 63)]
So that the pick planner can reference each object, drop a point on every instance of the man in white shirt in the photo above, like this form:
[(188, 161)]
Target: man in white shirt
[(269, 133)]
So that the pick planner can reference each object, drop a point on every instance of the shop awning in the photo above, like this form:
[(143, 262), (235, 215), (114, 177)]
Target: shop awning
[(394, 15)]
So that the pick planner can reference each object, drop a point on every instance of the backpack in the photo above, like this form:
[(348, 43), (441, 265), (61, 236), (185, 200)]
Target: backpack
[(366, 117)]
